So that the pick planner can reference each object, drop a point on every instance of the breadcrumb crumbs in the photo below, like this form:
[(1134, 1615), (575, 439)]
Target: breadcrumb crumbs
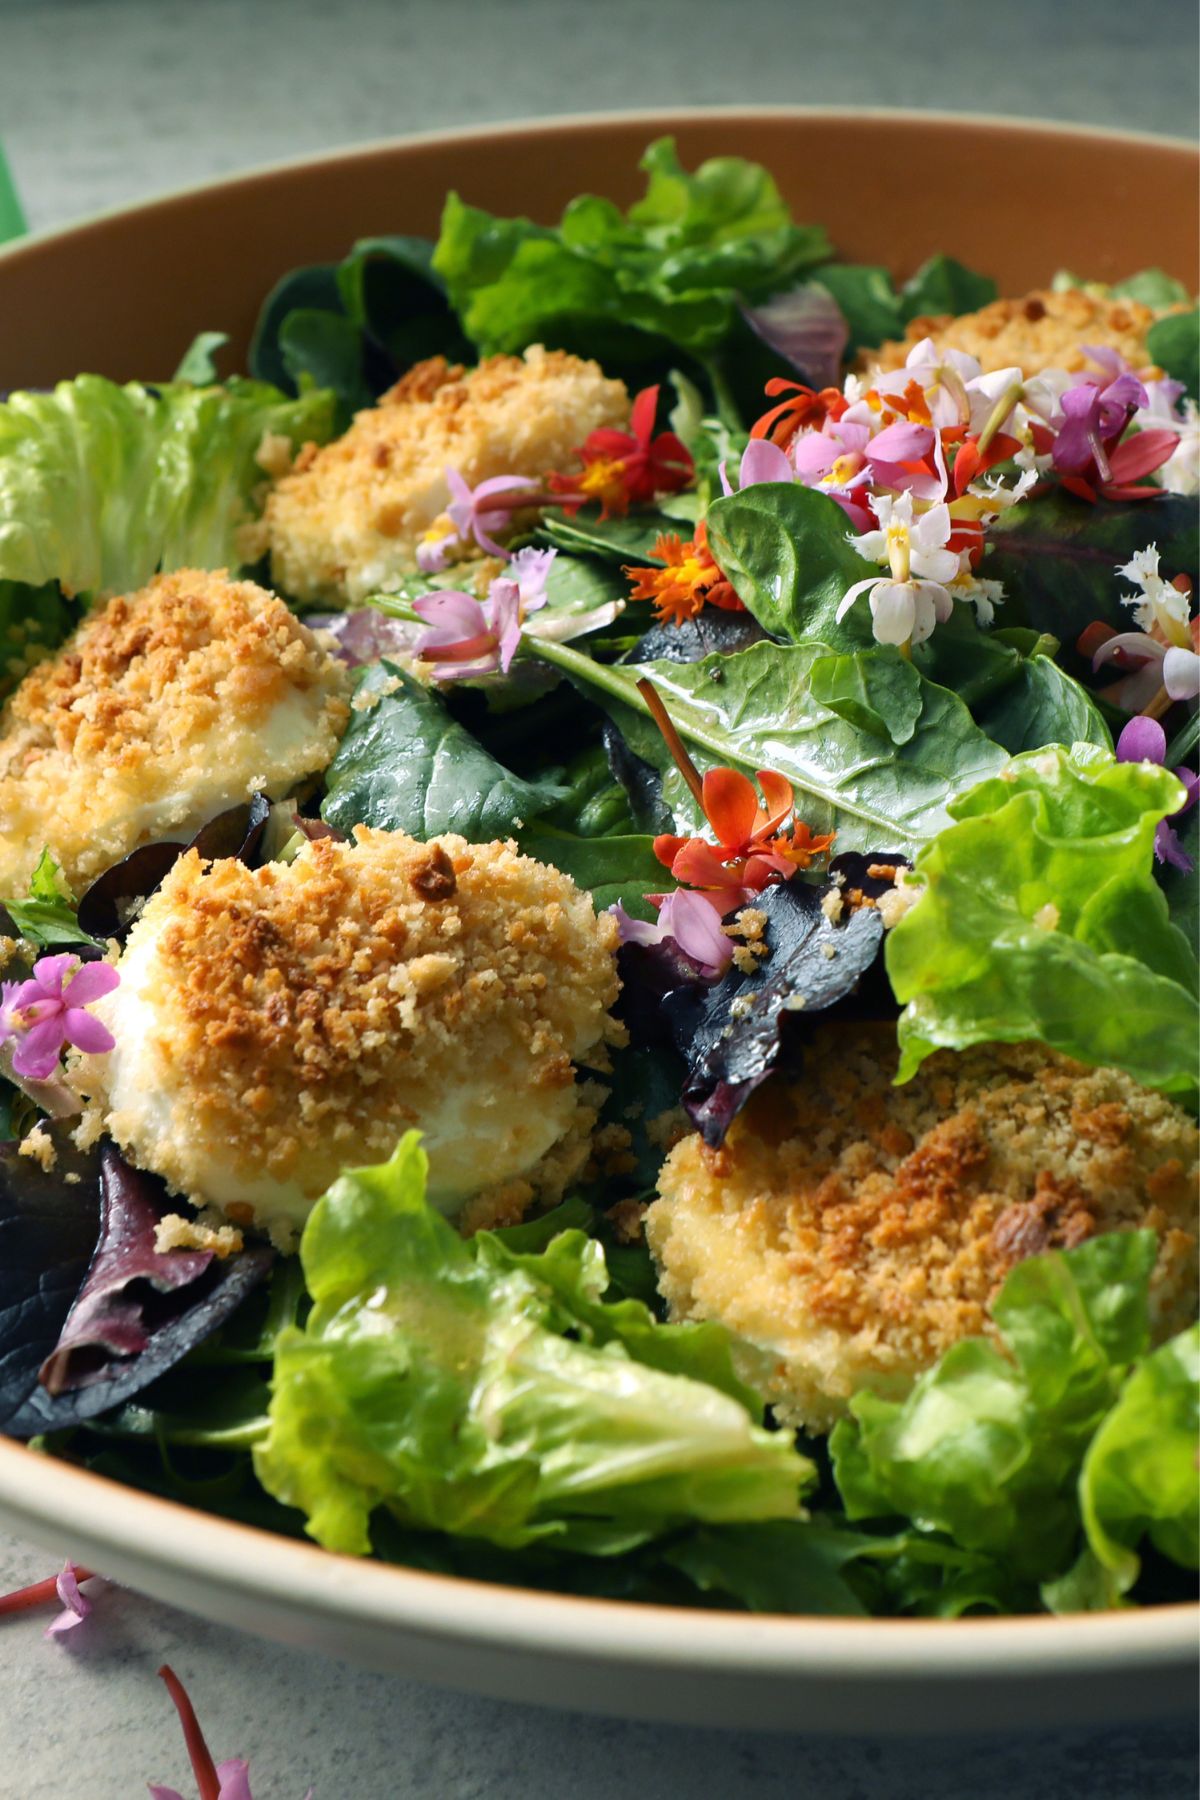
[(849, 1231), (1041, 330)]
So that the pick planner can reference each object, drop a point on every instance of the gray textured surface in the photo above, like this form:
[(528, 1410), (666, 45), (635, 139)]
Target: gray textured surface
[(105, 100)]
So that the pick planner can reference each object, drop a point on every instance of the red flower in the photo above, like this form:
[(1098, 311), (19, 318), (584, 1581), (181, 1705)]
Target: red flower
[(627, 468)]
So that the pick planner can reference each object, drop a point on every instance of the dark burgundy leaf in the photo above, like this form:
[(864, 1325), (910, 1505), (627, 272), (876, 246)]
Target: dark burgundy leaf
[(746, 1025), (109, 906), (106, 909), (806, 327), (110, 1317), (49, 1219), (236, 832), (138, 1311), (712, 630)]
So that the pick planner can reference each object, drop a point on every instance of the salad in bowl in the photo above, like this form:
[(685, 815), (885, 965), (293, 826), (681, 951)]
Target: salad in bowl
[(599, 917)]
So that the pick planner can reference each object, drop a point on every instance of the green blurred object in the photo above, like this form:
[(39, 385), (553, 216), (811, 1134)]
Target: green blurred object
[(13, 223)]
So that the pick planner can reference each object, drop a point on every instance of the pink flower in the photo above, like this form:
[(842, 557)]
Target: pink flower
[(468, 637), (76, 1606), (1162, 654), (691, 920), (909, 458), (761, 461), (49, 1011), (480, 511), (214, 1781)]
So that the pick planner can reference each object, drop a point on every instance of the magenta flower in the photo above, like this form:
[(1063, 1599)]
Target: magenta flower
[(468, 637), (1144, 740), (761, 461), (834, 460), (909, 458), (50, 1010), (691, 920), (480, 511)]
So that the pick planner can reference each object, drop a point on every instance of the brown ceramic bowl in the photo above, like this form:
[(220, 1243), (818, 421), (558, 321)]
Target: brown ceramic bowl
[(122, 295)]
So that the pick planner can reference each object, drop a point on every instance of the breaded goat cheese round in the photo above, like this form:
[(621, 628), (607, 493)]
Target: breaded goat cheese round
[(275, 1025), (848, 1231), (162, 708), (1042, 330), (348, 518)]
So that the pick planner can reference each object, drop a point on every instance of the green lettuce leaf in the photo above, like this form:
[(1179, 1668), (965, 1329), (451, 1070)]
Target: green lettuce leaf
[(625, 287), (405, 764), (1040, 919), (45, 915), (102, 485), (1139, 1476), (989, 1445), (758, 710), (496, 1394)]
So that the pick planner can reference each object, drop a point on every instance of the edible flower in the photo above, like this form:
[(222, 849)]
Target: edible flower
[(1091, 453), (1144, 740), (476, 513), (64, 1587), (1161, 658), (807, 409), (690, 581), (689, 920), (752, 849), (906, 606), (50, 1010), (627, 468), (214, 1781), (469, 637)]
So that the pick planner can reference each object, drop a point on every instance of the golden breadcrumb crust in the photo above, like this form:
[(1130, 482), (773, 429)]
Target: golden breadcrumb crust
[(163, 707), (348, 518), (852, 1231), (300, 1017), (1042, 330)]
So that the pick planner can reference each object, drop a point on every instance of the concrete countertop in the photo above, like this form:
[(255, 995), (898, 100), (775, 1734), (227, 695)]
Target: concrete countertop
[(103, 101)]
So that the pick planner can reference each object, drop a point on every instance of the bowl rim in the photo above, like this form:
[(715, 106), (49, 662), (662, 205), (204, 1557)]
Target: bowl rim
[(39, 1493), (142, 1529), (550, 123)]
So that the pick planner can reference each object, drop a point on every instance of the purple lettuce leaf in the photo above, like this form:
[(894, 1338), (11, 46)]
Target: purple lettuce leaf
[(110, 904), (138, 1311), (48, 1227), (804, 326)]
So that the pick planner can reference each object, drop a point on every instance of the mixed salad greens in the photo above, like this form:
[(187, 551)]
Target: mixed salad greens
[(901, 606)]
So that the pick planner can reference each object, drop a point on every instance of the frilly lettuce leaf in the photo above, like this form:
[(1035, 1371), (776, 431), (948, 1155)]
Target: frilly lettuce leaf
[(1040, 919), (1139, 1476), (622, 286), (989, 1445), (101, 485), (494, 1394)]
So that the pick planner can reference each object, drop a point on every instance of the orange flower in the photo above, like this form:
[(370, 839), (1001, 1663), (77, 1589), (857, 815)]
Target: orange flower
[(752, 848), (690, 581), (783, 422)]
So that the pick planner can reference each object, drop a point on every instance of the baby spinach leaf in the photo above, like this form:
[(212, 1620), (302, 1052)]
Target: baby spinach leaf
[(877, 690), (944, 285), (323, 350), (1042, 705), (784, 547), (1174, 343), (627, 540), (406, 765), (757, 710), (622, 867), (1058, 559)]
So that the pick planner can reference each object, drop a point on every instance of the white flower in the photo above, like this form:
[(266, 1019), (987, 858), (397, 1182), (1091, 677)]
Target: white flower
[(1180, 474), (1158, 603), (908, 546), (984, 596)]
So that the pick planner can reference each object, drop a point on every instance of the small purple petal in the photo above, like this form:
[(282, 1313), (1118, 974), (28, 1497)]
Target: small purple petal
[(91, 983), (1142, 740), (36, 1056), (163, 1793), (86, 1032), (451, 611), (503, 484), (1191, 782), (1168, 849), (76, 1605), (234, 1778), (51, 971), (695, 924)]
